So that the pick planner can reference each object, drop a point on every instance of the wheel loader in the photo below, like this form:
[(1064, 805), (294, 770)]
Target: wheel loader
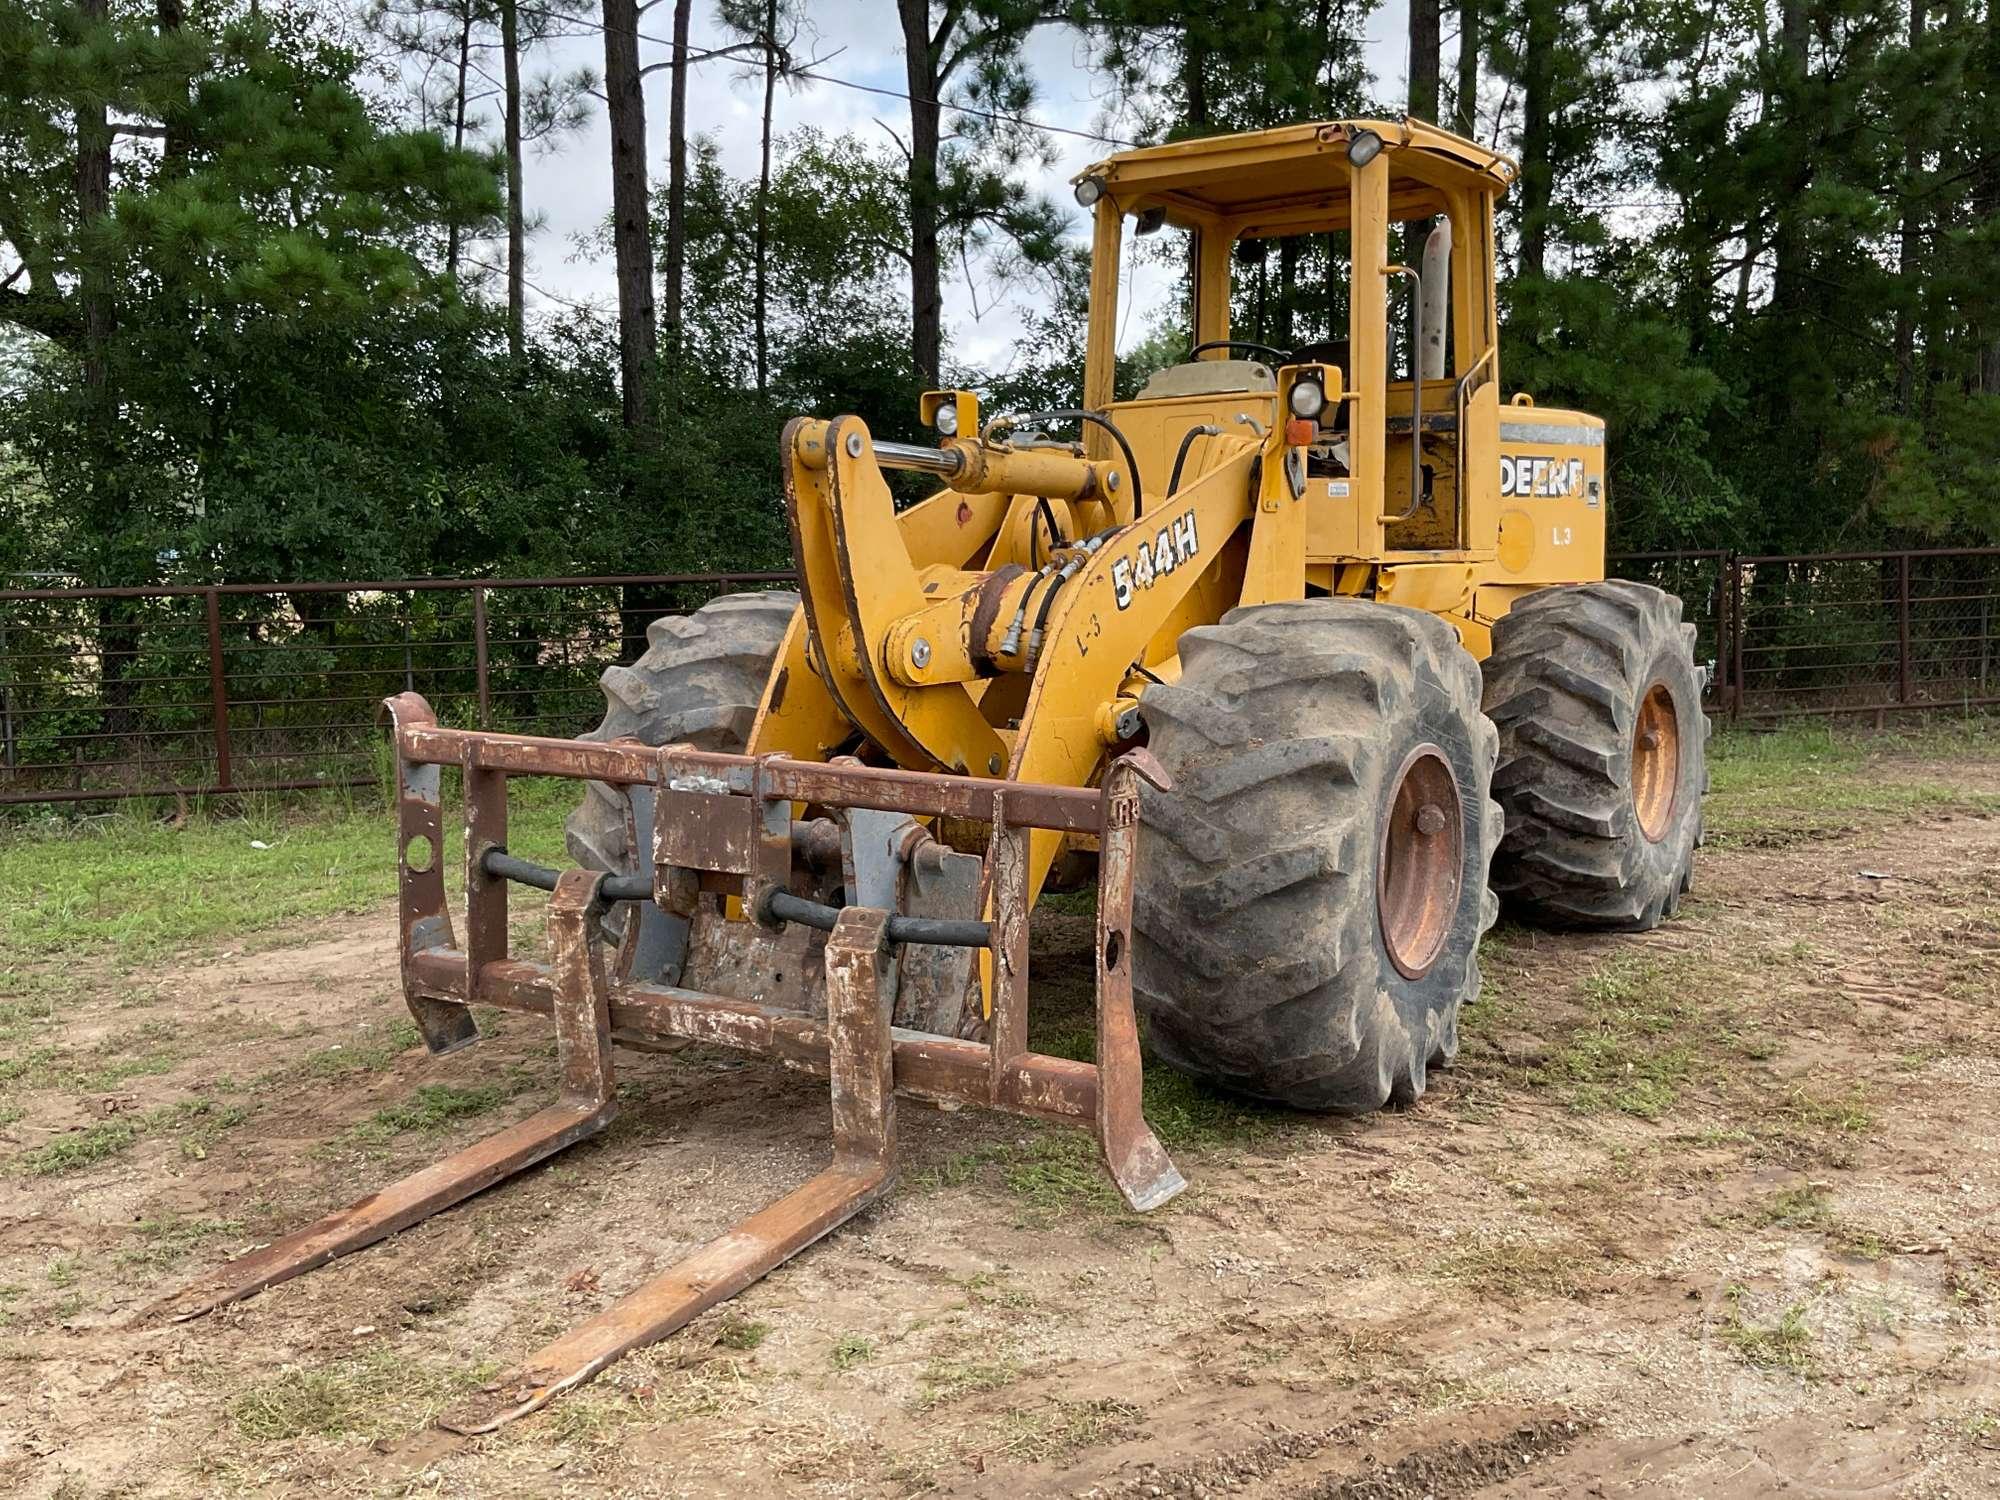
[(1307, 651)]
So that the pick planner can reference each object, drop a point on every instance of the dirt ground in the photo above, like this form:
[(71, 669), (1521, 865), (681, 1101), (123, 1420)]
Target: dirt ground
[(1713, 1211)]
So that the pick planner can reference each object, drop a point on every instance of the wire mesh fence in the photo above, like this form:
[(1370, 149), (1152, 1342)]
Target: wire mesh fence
[(118, 693), (108, 693)]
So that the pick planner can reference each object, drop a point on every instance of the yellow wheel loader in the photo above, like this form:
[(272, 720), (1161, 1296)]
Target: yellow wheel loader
[(1310, 648)]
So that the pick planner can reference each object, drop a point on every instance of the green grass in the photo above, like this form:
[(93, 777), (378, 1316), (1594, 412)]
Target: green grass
[(169, 1240), (1059, 1429), (376, 1395), (432, 1108), (77, 1149), (130, 885), (944, 1381), (1640, 1043), (741, 1334), (1784, 1345), (196, 1123), (373, 1053), (1802, 782), (850, 1350)]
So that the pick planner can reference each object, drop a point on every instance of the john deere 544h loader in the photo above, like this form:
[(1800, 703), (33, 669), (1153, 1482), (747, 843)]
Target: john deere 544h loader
[(1314, 652)]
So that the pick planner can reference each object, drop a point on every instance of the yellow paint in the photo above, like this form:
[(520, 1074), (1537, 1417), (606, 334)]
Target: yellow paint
[(1243, 525)]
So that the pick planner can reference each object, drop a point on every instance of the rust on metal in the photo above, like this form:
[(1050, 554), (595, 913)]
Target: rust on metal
[(1146, 1176), (1656, 762), (863, 1168), (722, 822), (1419, 861), (1007, 867), (423, 918), (485, 795), (586, 1106), (936, 1068)]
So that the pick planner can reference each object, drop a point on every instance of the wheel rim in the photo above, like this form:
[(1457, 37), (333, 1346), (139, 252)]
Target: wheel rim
[(1418, 867), (1656, 762)]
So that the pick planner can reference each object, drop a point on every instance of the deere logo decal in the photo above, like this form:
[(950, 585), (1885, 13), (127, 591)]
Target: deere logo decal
[(1545, 478)]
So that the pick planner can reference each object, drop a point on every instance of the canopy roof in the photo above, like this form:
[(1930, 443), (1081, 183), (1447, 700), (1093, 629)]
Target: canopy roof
[(1263, 182)]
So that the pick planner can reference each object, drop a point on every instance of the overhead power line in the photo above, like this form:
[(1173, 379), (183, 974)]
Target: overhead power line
[(695, 55)]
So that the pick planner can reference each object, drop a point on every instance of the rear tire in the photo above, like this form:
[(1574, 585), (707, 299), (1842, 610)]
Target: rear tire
[(699, 682), (1603, 755), (1295, 940)]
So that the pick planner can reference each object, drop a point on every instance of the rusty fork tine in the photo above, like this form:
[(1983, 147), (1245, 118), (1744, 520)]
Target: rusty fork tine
[(583, 1045), (1138, 1163), (863, 1169)]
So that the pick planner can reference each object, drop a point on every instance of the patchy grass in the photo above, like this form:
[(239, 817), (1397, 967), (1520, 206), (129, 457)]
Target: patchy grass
[(77, 1149), (944, 1381), (849, 1351), (1808, 1206), (131, 885), (741, 1334), (432, 1108), (1784, 1345), (169, 1240), (1058, 1430), (1515, 1270), (372, 1396), (1804, 782), (1846, 1111), (1640, 1043), (374, 1052)]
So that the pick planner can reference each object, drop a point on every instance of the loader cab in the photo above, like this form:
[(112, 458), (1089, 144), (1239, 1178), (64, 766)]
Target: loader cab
[(1399, 321)]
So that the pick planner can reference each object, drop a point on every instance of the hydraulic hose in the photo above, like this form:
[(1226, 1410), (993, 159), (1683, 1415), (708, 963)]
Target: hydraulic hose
[(1202, 429)]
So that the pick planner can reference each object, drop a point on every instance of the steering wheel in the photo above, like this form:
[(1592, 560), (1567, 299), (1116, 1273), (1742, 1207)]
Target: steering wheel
[(1276, 356)]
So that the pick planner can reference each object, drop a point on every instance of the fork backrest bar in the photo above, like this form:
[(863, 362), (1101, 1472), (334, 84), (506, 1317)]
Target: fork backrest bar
[(629, 763)]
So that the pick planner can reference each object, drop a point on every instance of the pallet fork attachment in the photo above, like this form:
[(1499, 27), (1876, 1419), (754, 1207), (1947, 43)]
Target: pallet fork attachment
[(729, 818)]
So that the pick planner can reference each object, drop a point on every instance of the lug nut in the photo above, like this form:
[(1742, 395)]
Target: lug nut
[(1649, 739), (1430, 820)]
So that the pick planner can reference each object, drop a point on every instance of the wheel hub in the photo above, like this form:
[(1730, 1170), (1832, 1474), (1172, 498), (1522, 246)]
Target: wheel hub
[(1656, 762), (1418, 867)]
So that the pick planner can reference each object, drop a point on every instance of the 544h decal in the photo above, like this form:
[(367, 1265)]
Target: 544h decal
[(1174, 545)]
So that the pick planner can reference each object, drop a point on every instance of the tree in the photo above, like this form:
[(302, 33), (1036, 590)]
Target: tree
[(772, 27), (963, 189), (631, 232)]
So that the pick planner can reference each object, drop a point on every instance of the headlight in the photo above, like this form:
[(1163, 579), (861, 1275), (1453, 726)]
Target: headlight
[(1308, 399), (946, 419), (1364, 148), (1088, 191)]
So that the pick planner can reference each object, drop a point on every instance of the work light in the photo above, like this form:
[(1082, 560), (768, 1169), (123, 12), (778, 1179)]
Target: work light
[(1088, 191), (1308, 399), (1364, 148)]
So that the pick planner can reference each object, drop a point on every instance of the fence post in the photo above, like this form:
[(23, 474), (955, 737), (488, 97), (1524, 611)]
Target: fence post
[(1735, 637), (7, 699), (479, 653), (218, 689), (1903, 630)]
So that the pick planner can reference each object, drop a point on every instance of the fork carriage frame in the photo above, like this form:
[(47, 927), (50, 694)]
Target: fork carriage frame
[(722, 825)]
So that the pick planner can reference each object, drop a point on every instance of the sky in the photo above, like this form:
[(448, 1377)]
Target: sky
[(570, 191)]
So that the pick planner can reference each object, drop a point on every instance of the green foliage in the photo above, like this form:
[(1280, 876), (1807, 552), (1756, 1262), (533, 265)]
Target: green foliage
[(1766, 257)]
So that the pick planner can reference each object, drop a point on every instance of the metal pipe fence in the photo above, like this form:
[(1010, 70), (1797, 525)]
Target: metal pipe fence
[(110, 693)]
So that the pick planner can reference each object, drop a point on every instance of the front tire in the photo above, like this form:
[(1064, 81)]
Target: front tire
[(698, 682), (1309, 898), (1603, 755)]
